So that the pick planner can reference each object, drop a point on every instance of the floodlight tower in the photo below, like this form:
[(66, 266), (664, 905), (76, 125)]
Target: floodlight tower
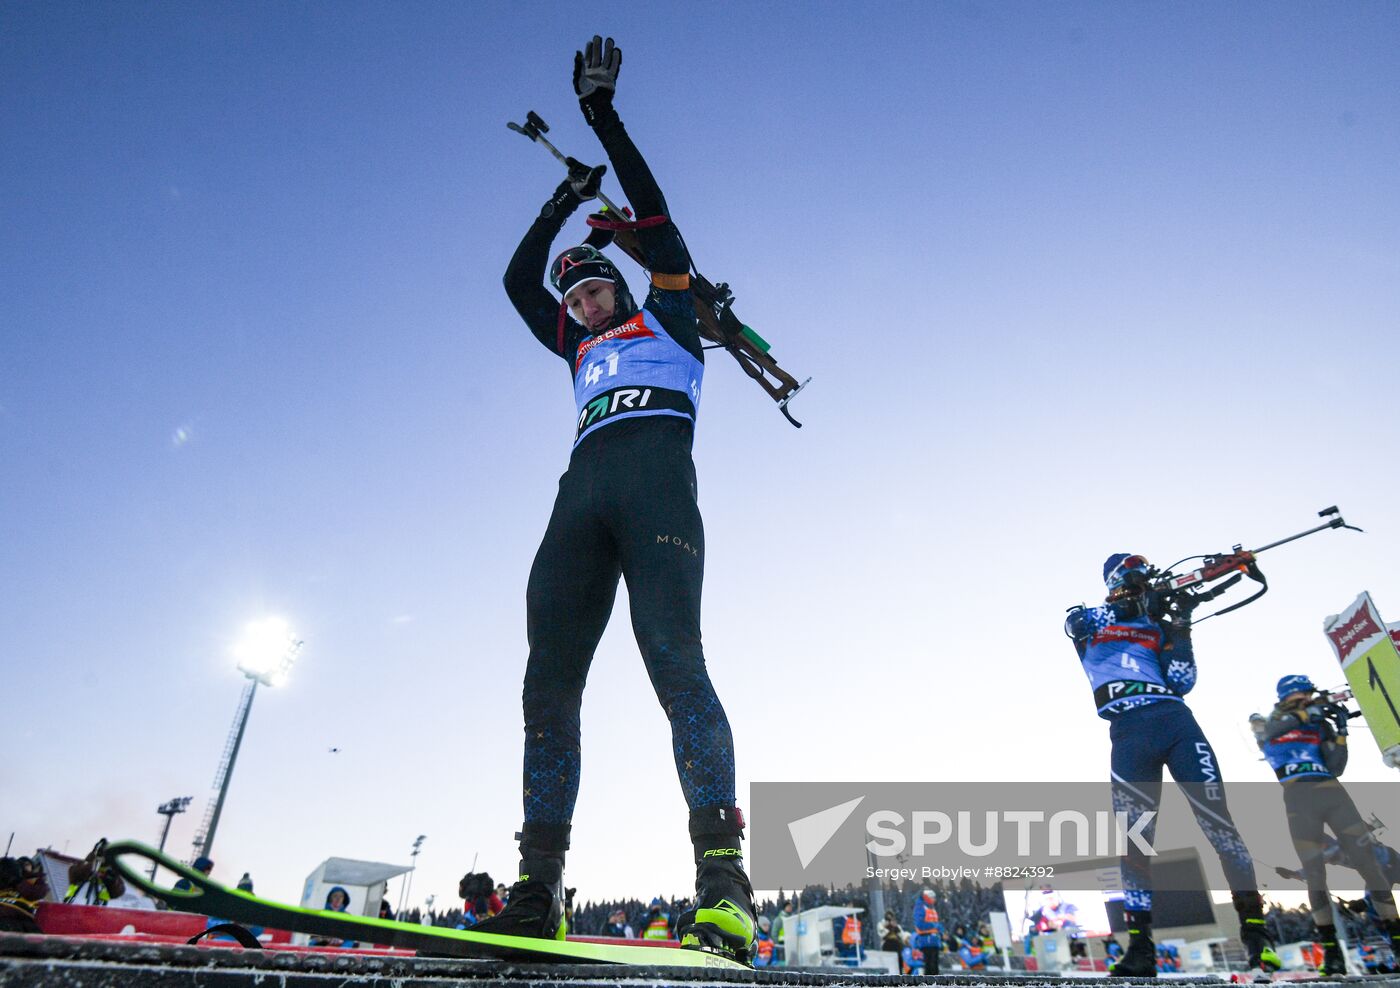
[(168, 810), (408, 881), (265, 655)]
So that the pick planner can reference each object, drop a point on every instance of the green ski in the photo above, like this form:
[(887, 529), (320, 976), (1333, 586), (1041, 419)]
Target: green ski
[(213, 899)]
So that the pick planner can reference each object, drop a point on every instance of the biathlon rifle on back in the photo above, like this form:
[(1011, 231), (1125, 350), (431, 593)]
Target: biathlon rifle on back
[(714, 303), (1183, 592)]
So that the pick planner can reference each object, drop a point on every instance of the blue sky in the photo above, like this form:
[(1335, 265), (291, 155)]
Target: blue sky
[(1070, 279)]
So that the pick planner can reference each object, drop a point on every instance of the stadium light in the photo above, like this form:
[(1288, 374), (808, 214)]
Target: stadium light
[(168, 810), (265, 655), (266, 651), (408, 879)]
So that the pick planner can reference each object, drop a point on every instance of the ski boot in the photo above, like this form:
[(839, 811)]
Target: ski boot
[(1140, 959), (535, 903), (721, 921), (1254, 933), (1334, 962)]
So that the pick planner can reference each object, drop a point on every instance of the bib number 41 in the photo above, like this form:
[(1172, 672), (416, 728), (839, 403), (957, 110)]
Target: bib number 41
[(593, 373)]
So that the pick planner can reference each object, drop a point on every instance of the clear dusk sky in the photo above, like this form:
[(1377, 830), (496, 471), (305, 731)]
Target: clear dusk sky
[(1069, 278)]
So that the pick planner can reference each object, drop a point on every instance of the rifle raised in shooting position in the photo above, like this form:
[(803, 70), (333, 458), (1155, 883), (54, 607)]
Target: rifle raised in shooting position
[(1183, 592)]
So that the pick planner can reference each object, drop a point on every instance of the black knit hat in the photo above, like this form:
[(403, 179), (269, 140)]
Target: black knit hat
[(586, 263)]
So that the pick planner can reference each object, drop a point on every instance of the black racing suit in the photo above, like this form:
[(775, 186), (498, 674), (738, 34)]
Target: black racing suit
[(626, 507)]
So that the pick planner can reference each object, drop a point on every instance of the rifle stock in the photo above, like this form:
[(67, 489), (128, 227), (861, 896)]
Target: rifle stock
[(719, 324)]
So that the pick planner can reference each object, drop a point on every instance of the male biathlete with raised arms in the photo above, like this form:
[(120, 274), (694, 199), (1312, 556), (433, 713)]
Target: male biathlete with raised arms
[(626, 507), (1140, 664)]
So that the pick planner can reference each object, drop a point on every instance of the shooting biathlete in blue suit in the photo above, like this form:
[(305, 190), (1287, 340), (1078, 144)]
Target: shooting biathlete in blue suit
[(1304, 741), (626, 508), (1140, 664)]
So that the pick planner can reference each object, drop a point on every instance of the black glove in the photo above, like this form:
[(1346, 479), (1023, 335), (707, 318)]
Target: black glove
[(595, 76), (585, 181), (1176, 607)]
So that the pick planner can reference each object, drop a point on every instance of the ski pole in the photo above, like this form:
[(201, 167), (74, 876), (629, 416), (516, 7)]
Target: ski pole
[(535, 128)]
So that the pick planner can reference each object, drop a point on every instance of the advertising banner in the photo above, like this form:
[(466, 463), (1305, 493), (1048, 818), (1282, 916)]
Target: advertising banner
[(1366, 649)]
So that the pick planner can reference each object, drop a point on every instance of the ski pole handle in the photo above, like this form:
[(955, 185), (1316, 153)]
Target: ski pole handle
[(535, 128)]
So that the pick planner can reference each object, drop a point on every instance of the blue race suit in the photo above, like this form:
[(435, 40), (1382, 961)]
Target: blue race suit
[(1299, 743), (1140, 669), (1123, 658), (634, 370)]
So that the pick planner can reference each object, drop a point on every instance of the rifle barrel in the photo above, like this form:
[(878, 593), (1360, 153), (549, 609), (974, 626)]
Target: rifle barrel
[(1334, 523)]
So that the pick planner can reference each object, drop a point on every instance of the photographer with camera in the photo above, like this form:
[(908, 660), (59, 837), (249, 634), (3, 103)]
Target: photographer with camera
[(479, 899), (93, 881), (23, 886), (1304, 741), (1136, 650)]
